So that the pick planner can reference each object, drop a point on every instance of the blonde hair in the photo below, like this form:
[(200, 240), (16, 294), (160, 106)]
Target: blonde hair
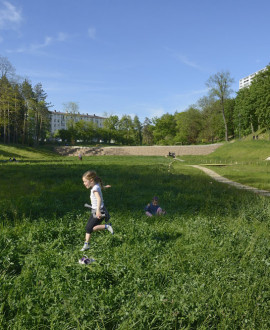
[(92, 175)]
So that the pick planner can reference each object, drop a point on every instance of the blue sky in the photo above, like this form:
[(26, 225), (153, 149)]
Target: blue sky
[(135, 57)]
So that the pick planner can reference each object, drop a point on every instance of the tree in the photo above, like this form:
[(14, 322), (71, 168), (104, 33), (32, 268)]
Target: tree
[(260, 91), (220, 87), (126, 129), (72, 110), (5, 107), (188, 126), (212, 123), (111, 122), (6, 68), (17, 113), (41, 113), (110, 130), (137, 130), (165, 129), (28, 97), (147, 132)]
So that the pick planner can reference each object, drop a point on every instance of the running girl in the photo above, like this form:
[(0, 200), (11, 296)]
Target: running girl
[(99, 211)]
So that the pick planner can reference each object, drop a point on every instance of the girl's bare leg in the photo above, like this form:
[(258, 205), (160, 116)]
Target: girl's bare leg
[(99, 227)]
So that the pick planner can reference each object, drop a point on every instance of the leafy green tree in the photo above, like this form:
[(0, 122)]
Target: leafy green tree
[(188, 126), (137, 127), (71, 110), (147, 132), (41, 113), (112, 122), (28, 98), (85, 131), (111, 126), (18, 113), (63, 134), (6, 96), (220, 87), (126, 128), (165, 129), (245, 117), (212, 123), (229, 108), (260, 90)]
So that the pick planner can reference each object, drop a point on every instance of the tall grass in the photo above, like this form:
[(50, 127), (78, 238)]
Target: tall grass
[(204, 265)]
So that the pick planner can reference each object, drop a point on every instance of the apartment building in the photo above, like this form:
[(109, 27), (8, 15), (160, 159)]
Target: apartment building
[(245, 82), (59, 120)]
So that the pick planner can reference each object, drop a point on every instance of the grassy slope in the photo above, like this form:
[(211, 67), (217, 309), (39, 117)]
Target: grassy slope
[(205, 265), (25, 153), (245, 162)]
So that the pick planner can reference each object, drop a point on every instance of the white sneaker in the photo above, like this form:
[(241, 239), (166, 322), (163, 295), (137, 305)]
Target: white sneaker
[(85, 260), (109, 227), (85, 247)]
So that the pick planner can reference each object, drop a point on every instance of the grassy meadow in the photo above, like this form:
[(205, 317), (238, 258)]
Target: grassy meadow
[(242, 161), (204, 265)]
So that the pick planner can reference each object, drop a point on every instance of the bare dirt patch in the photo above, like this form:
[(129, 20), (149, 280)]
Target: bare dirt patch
[(138, 150)]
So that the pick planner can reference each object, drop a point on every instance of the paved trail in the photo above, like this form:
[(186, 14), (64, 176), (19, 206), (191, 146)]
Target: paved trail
[(220, 178)]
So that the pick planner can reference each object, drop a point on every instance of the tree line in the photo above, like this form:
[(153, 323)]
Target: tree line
[(25, 117), (24, 112)]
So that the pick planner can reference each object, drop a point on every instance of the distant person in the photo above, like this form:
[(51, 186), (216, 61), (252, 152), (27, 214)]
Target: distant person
[(80, 156), (153, 208), (99, 211)]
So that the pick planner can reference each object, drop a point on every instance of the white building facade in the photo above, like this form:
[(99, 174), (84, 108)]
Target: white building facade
[(246, 82), (59, 120)]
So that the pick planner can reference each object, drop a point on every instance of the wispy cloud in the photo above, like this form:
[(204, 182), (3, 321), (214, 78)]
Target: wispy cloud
[(10, 16), (92, 33), (156, 112), (35, 47), (192, 93), (183, 59)]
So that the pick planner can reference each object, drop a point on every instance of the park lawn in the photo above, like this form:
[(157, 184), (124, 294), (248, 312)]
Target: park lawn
[(204, 265), (254, 175), (242, 161)]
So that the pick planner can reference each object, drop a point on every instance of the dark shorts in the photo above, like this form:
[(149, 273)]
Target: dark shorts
[(94, 221)]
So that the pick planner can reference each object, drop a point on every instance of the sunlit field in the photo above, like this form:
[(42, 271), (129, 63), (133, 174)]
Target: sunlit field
[(204, 265)]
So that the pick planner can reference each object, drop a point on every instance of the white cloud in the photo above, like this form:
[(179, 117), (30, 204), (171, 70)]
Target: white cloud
[(92, 33), (35, 47), (62, 36), (10, 16)]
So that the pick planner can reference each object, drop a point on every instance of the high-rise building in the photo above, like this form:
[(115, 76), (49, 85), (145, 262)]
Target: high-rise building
[(245, 82)]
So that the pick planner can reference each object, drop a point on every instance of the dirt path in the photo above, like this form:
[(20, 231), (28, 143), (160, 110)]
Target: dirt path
[(220, 178)]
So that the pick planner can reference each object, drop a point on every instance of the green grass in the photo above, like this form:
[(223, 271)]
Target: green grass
[(205, 265), (242, 161), (25, 153)]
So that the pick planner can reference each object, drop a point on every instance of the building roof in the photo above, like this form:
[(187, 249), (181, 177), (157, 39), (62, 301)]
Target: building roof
[(76, 114)]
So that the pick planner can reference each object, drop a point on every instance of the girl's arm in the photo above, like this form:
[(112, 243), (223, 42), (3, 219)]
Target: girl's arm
[(97, 195), (107, 186)]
